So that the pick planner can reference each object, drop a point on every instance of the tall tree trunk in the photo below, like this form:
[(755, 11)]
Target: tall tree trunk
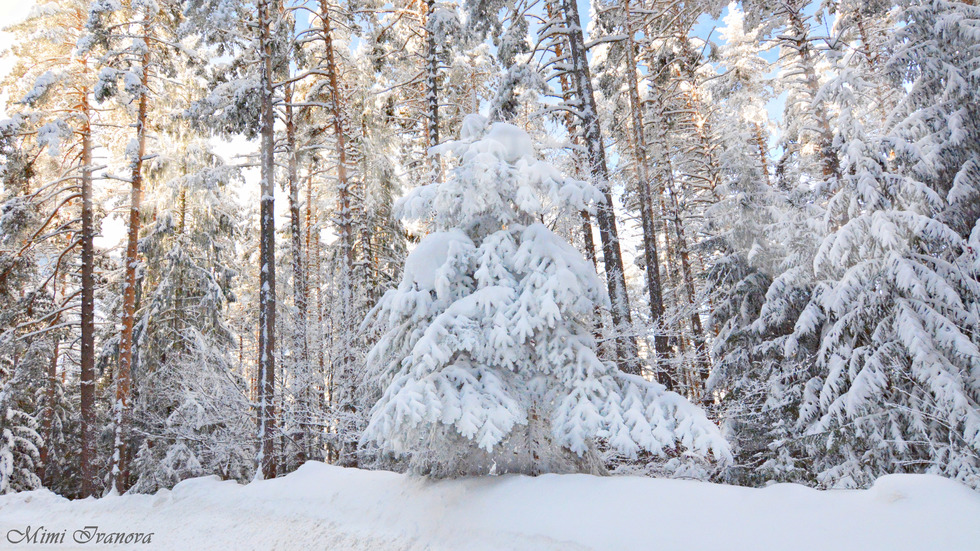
[(347, 407), (301, 376), (654, 286), (266, 464), (119, 471), (87, 371), (612, 256), (344, 222)]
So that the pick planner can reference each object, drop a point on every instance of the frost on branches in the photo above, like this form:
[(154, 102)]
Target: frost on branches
[(897, 306), (487, 356)]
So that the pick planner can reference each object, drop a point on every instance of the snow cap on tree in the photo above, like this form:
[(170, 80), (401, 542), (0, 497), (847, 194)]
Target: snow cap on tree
[(487, 349)]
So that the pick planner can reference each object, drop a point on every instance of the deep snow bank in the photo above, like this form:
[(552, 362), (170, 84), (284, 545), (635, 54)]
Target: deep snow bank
[(330, 508)]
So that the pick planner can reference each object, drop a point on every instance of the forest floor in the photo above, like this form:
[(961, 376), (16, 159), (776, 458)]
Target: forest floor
[(323, 507)]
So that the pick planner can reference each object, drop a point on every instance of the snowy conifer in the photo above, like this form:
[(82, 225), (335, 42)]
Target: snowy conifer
[(190, 408), (487, 360), (896, 302)]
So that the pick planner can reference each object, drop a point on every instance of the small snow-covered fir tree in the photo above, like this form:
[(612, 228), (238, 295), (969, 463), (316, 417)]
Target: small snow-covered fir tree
[(19, 438), (487, 358)]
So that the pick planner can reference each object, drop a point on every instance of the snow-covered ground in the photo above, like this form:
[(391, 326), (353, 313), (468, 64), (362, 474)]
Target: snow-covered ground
[(331, 508)]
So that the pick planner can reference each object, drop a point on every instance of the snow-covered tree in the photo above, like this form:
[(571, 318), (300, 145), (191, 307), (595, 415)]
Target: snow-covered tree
[(20, 440), (190, 405), (745, 234), (257, 39), (806, 134), (897, 295), (487, 361), (20, 362), (54, 119)]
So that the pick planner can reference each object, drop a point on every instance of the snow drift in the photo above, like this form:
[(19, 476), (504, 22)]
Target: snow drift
[(325, 507)]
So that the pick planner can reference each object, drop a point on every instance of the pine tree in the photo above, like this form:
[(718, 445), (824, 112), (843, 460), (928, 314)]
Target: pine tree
[(131, 48), (258, 38), (346, 232), (757, 391), (20, 441), (55, 117)]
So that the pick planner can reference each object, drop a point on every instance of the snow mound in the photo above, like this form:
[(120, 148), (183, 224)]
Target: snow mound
[(424, 266), (325, 507)]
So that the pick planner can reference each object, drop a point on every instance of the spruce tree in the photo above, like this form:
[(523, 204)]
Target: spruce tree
[(487, 359)]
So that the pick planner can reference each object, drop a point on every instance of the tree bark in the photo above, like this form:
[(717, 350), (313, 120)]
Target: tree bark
[(266, 464), (87, 371), (119, 471), (612, 257), (654, 285)]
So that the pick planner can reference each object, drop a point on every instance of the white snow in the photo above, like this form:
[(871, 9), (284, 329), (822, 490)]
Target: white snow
[(424, 265), (326, 507)]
